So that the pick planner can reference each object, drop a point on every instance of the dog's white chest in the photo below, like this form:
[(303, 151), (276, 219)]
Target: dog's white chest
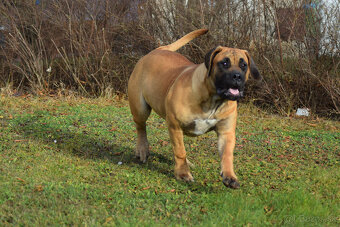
[(201, 126)]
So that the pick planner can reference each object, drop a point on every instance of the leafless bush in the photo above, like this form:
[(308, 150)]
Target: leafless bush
[(86, 46), (91, 46)]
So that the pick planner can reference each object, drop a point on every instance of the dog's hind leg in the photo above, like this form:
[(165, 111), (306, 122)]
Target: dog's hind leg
[(140, 111)]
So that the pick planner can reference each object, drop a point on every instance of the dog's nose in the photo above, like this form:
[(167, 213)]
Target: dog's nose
[(237, 76)]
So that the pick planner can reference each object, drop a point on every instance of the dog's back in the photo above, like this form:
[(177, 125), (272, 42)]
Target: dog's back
[(156, 72)]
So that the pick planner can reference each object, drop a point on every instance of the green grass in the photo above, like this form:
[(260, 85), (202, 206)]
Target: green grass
[(59, 166)]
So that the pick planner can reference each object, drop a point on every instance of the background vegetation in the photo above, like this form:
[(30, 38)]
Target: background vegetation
[(89, 47)]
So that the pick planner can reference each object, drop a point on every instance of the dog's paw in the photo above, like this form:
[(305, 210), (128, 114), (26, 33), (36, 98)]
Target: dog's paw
[(141, 159), (187, 177), (230, 182), (144, 157), (142, 153)]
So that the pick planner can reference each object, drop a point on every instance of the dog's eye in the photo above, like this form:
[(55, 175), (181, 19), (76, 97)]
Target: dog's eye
[(243, 64), (226, 63)]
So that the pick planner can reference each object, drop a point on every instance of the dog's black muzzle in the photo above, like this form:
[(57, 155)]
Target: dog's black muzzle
[(230, 85)]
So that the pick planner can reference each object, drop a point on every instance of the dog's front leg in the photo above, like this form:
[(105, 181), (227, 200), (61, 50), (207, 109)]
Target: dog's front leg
[(181, 164), (226, 144)]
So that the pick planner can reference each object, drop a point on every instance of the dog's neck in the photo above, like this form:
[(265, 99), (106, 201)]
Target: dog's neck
[(204, 90), (201, 86)]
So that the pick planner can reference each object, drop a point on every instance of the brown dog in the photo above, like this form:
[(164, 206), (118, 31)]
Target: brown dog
[(193, 99)]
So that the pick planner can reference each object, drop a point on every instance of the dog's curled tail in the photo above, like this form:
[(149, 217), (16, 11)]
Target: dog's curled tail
[(184, 40)]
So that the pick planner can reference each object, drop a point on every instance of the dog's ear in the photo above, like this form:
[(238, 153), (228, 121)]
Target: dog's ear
[(209, 58), (252, 67)]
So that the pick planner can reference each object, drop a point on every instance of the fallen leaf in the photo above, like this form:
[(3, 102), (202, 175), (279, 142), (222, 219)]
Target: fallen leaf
[(268, 210), (203, 210), (108, 220), (19, 141), (39, 188), (164, 142), (22, 180), (286, 139), (313, 125)]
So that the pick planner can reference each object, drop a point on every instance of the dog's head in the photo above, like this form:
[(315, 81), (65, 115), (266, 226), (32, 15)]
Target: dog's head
[(229, 69)]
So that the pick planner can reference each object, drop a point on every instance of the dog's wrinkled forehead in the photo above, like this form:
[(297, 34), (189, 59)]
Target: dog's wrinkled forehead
[(229, 59), (233, 54)]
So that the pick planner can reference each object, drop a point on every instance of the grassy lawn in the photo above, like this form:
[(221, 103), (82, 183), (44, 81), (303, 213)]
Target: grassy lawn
[(71, 162)]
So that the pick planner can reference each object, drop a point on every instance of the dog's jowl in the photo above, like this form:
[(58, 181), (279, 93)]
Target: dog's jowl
[(192, 98)]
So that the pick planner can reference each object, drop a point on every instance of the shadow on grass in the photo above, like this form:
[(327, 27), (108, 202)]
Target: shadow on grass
[(88, 145), (85, 144)]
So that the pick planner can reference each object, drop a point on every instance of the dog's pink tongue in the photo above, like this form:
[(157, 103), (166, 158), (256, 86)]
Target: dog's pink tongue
[(234, 91)]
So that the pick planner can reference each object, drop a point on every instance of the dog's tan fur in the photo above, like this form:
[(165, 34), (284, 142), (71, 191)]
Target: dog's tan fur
[(184, 95)]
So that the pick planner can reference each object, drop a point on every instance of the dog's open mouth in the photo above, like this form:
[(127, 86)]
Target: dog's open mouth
[(230, 93), (233, 91)]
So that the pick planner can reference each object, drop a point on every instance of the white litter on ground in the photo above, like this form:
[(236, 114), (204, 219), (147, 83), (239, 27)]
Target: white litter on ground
[(302, 112)]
